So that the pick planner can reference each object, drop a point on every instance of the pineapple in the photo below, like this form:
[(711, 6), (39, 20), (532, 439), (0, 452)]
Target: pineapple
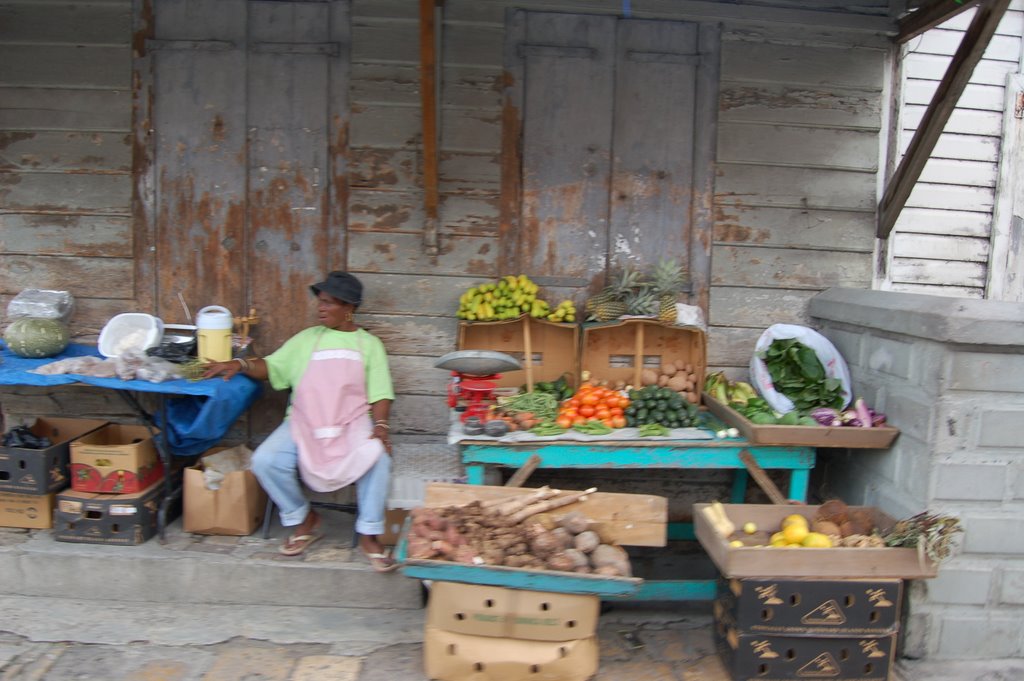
[(642, 302), (610, 303), (667, 283)]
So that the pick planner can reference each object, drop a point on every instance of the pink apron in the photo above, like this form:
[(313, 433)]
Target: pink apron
[(329, 421)]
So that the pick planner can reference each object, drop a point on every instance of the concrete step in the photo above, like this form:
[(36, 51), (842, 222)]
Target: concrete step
[(210, 570)]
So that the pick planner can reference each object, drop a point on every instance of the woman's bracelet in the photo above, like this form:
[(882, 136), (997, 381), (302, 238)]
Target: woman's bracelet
[(382, 424), (243, 362)]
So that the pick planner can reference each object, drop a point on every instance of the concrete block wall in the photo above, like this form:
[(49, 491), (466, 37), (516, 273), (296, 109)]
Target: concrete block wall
[(949, 373)]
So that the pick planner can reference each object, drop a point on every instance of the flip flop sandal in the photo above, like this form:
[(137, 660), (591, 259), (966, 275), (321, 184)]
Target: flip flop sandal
[(296, 545), (380, 562)]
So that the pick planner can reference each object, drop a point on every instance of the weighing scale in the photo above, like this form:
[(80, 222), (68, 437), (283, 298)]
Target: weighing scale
[(473, 376)]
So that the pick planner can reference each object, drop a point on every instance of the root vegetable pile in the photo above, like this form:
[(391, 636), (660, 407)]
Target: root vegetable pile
[(520, 531)]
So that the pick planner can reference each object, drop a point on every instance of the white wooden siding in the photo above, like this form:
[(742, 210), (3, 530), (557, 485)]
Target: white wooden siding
[(942, 240)]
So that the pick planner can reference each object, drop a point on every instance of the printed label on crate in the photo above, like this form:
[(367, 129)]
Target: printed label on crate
[(123, 510)]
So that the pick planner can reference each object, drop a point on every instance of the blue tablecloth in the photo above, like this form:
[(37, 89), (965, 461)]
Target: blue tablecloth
[(195, 422)]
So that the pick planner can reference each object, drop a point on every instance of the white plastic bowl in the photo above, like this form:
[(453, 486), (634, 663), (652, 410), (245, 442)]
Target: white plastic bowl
[(130, 332)]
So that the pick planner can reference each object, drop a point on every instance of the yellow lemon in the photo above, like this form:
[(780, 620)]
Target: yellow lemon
[(794, 533), (736, 543), (817, 540), (749, 528), (777, 539), (795, 518)]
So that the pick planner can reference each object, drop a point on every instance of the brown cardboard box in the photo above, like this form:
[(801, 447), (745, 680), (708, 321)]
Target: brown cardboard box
[(449, 656), (811, 607), (620, 350), (394, 520), (511, 613), (784, 563), (38, 471), (91, 518), (115, 459), (33, 511), (816, 436), (761, 657), (552, 347), (235, 509)]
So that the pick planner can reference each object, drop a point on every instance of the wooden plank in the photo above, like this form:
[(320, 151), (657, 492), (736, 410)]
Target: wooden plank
[(963, 121), (429, 112), (420, 415), (976, 293), (939, 272), (62, 65), (976, 97), (65, 108), (795, 65), (1011, 25), (789, 268), (705, 166), (956, 172), (1004, 279), (779, 103), (938, 247), (417, 375), (652, 175), (953, 223), (66, 192), (944, 42), (798, 146), (471, 172), (413, 294), (567, 136), (84, 277), (83, 235), (385, 40), (732, 347), (431, 335), (465, 86), (461, 214), (758, 307), (964, 147), (953, 84), (78, 23), (385, 126), (403, 254), (952, 196), (766, 185), (471, 130), (794, 228), (382, 168), (64, 151), (932, 67)]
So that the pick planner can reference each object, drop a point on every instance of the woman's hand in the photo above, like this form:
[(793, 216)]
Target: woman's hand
[(225, 369), (381, 432)]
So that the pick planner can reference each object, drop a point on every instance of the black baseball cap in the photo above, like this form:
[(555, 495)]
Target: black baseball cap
[(341, 285)]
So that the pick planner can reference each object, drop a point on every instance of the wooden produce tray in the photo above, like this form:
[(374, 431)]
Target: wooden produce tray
[(546, 349), (625, 519), (622, 349), (781, 562), (813, 436)]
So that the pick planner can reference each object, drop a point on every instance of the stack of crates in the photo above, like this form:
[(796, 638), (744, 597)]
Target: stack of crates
[(782, 629), (30, 478)]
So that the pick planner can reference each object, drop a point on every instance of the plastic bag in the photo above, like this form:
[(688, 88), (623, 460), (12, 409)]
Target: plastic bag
[(41, 303), (156, 370), (23, 438), (217, 466), (831, 360), (71, 365)]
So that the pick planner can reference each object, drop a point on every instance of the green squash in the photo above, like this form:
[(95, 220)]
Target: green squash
[(35, 337)]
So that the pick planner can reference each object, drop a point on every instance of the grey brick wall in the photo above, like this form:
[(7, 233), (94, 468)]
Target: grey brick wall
[(950, 374)]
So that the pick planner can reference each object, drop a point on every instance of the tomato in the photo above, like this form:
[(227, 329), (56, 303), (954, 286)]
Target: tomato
[(578, 420), (572, 402), (608, 422), (590, 399), (571, 413), (612, 401), (565, 421), (587, 410), (618, 421), (616, 411), (602, 413)]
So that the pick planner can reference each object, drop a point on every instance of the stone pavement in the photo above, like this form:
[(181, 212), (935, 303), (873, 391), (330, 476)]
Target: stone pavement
[(231, 609)]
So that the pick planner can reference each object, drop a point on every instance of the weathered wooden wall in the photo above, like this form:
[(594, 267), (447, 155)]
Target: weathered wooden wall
[(942, 243), (798, 143)]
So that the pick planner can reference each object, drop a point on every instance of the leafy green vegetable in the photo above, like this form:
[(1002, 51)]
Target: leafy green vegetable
[(798, 374)]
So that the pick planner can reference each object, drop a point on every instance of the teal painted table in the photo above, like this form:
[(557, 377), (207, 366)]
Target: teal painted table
[(662, 454)]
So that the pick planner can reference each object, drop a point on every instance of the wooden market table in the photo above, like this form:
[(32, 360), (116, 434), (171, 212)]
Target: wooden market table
[(477, 455)]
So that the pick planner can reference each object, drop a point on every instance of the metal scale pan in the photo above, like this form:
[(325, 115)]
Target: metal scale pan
[(478, 362)]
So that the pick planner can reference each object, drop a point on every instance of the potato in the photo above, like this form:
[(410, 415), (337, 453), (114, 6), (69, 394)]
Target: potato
[(669, 369), (662, 380), (677, 382), (648, 377)]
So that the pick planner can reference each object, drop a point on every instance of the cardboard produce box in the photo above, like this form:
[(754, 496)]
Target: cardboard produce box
[(810, 607), (785, 563), (621, 349), (92, 518), (511, 613), (235, 508), (817, 436), (546, 349), (115, 459), (38, 471), (31, 511), (450, 656), (761, 657)]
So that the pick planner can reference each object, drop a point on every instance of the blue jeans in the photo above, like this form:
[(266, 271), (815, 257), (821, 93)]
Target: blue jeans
[(275, 464)]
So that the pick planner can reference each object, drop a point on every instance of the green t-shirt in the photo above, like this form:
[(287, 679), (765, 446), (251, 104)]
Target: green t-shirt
[(286, 365)]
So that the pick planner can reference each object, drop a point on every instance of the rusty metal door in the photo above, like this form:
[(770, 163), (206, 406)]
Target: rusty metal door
[(244, 189), (610, 152)]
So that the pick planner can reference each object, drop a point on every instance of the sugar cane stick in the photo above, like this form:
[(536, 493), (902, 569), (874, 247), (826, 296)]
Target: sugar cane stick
[(519, 504), (548, 504)]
